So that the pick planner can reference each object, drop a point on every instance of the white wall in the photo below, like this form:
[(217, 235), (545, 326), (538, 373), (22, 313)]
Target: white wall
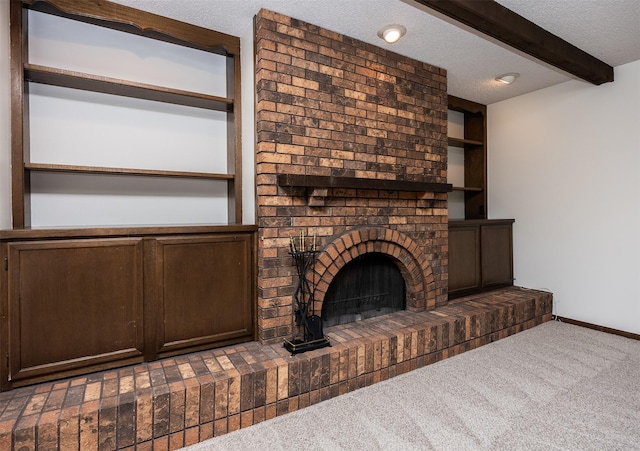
[(5, 109), (565, 163)]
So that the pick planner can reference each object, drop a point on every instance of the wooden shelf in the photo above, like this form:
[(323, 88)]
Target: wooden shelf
[(88, 82), (463, 143), (319, 181), (467, 188), (46, 167)]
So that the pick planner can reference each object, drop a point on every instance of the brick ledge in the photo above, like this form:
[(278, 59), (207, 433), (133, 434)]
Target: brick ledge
[(180, 401)]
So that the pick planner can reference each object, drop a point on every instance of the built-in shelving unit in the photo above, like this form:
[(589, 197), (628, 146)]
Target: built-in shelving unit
[(480, 249), (128, 114), (120, 19), (475, 156)]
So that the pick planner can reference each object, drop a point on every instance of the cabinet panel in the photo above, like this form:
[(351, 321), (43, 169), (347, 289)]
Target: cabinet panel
[(74, 304), (85, 300), (497, 255), (464, 259), (206, 291)]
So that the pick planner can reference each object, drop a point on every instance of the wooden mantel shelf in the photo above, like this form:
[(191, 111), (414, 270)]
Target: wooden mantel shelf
[(322, 181)]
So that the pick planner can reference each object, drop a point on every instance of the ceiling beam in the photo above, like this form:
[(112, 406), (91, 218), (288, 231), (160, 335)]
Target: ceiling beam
[(493, 19)]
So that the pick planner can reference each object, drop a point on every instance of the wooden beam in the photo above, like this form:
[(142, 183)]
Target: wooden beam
[(493, 19)]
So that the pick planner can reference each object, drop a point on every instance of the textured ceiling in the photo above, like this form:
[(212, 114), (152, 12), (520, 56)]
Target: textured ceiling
[(607, 29)]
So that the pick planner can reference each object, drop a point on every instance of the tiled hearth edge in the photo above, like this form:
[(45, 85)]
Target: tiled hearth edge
[(180, 401)]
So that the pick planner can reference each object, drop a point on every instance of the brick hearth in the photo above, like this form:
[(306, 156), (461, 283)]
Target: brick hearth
[(180, 401)]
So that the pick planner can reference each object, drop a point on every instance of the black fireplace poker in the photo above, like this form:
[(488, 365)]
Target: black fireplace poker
[(304, 303)]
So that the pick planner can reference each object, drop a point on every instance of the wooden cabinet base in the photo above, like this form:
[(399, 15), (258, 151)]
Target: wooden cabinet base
[(77, 304), (480, 256)]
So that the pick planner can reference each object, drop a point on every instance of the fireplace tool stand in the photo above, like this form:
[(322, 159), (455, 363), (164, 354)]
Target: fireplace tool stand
[(312, 336)]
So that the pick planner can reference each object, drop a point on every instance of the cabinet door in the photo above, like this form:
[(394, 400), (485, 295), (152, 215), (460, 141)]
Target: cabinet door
[(497, 255), (75, 306), (207, 292), (464, 259)]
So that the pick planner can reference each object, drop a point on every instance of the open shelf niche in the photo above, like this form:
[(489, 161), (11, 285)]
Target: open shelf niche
[(123, 54), (473, 144)]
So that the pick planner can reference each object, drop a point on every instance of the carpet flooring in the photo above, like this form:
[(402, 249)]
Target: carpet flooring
[(554, 387)]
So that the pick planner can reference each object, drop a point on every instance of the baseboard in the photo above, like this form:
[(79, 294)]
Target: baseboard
[(608, 330)]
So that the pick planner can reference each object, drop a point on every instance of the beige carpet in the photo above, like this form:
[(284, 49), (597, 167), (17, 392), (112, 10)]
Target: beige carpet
[(553, 387)]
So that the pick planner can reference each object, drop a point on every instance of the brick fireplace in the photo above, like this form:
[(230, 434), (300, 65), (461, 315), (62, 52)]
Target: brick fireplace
[(351, 149), (329, 108)]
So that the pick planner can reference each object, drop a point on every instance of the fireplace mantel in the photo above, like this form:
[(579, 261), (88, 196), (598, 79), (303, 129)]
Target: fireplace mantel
[(322, 181)]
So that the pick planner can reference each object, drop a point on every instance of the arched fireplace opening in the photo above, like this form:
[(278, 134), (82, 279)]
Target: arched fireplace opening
[(369, 285)]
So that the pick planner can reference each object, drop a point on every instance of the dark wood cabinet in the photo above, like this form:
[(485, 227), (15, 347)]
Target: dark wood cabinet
[(85, 300), (76, 300), (73, 303), (206, 296), (480, 255), (480, 250)]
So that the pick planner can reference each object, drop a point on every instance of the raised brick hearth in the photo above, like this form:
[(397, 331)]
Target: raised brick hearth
[(179, 401)]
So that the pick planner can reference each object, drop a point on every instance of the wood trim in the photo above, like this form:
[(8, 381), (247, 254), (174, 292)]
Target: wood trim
[(493, 19), (19, 117), (468, 188), (465, 106), (605, 329), (129, 20), (5, 384), (234, 140), (114, 231), (150, 298), (457, 223)]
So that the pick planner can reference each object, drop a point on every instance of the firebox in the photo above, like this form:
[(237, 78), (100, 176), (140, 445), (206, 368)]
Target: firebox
[(368, 286)]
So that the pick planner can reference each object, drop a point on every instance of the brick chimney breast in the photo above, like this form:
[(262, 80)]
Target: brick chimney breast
[(330, 105)]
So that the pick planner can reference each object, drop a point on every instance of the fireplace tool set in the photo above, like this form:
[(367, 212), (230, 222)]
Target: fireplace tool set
[(304, 303)]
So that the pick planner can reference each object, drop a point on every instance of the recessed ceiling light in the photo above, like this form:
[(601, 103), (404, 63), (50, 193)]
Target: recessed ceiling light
[(507, 79), (392, 33)]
